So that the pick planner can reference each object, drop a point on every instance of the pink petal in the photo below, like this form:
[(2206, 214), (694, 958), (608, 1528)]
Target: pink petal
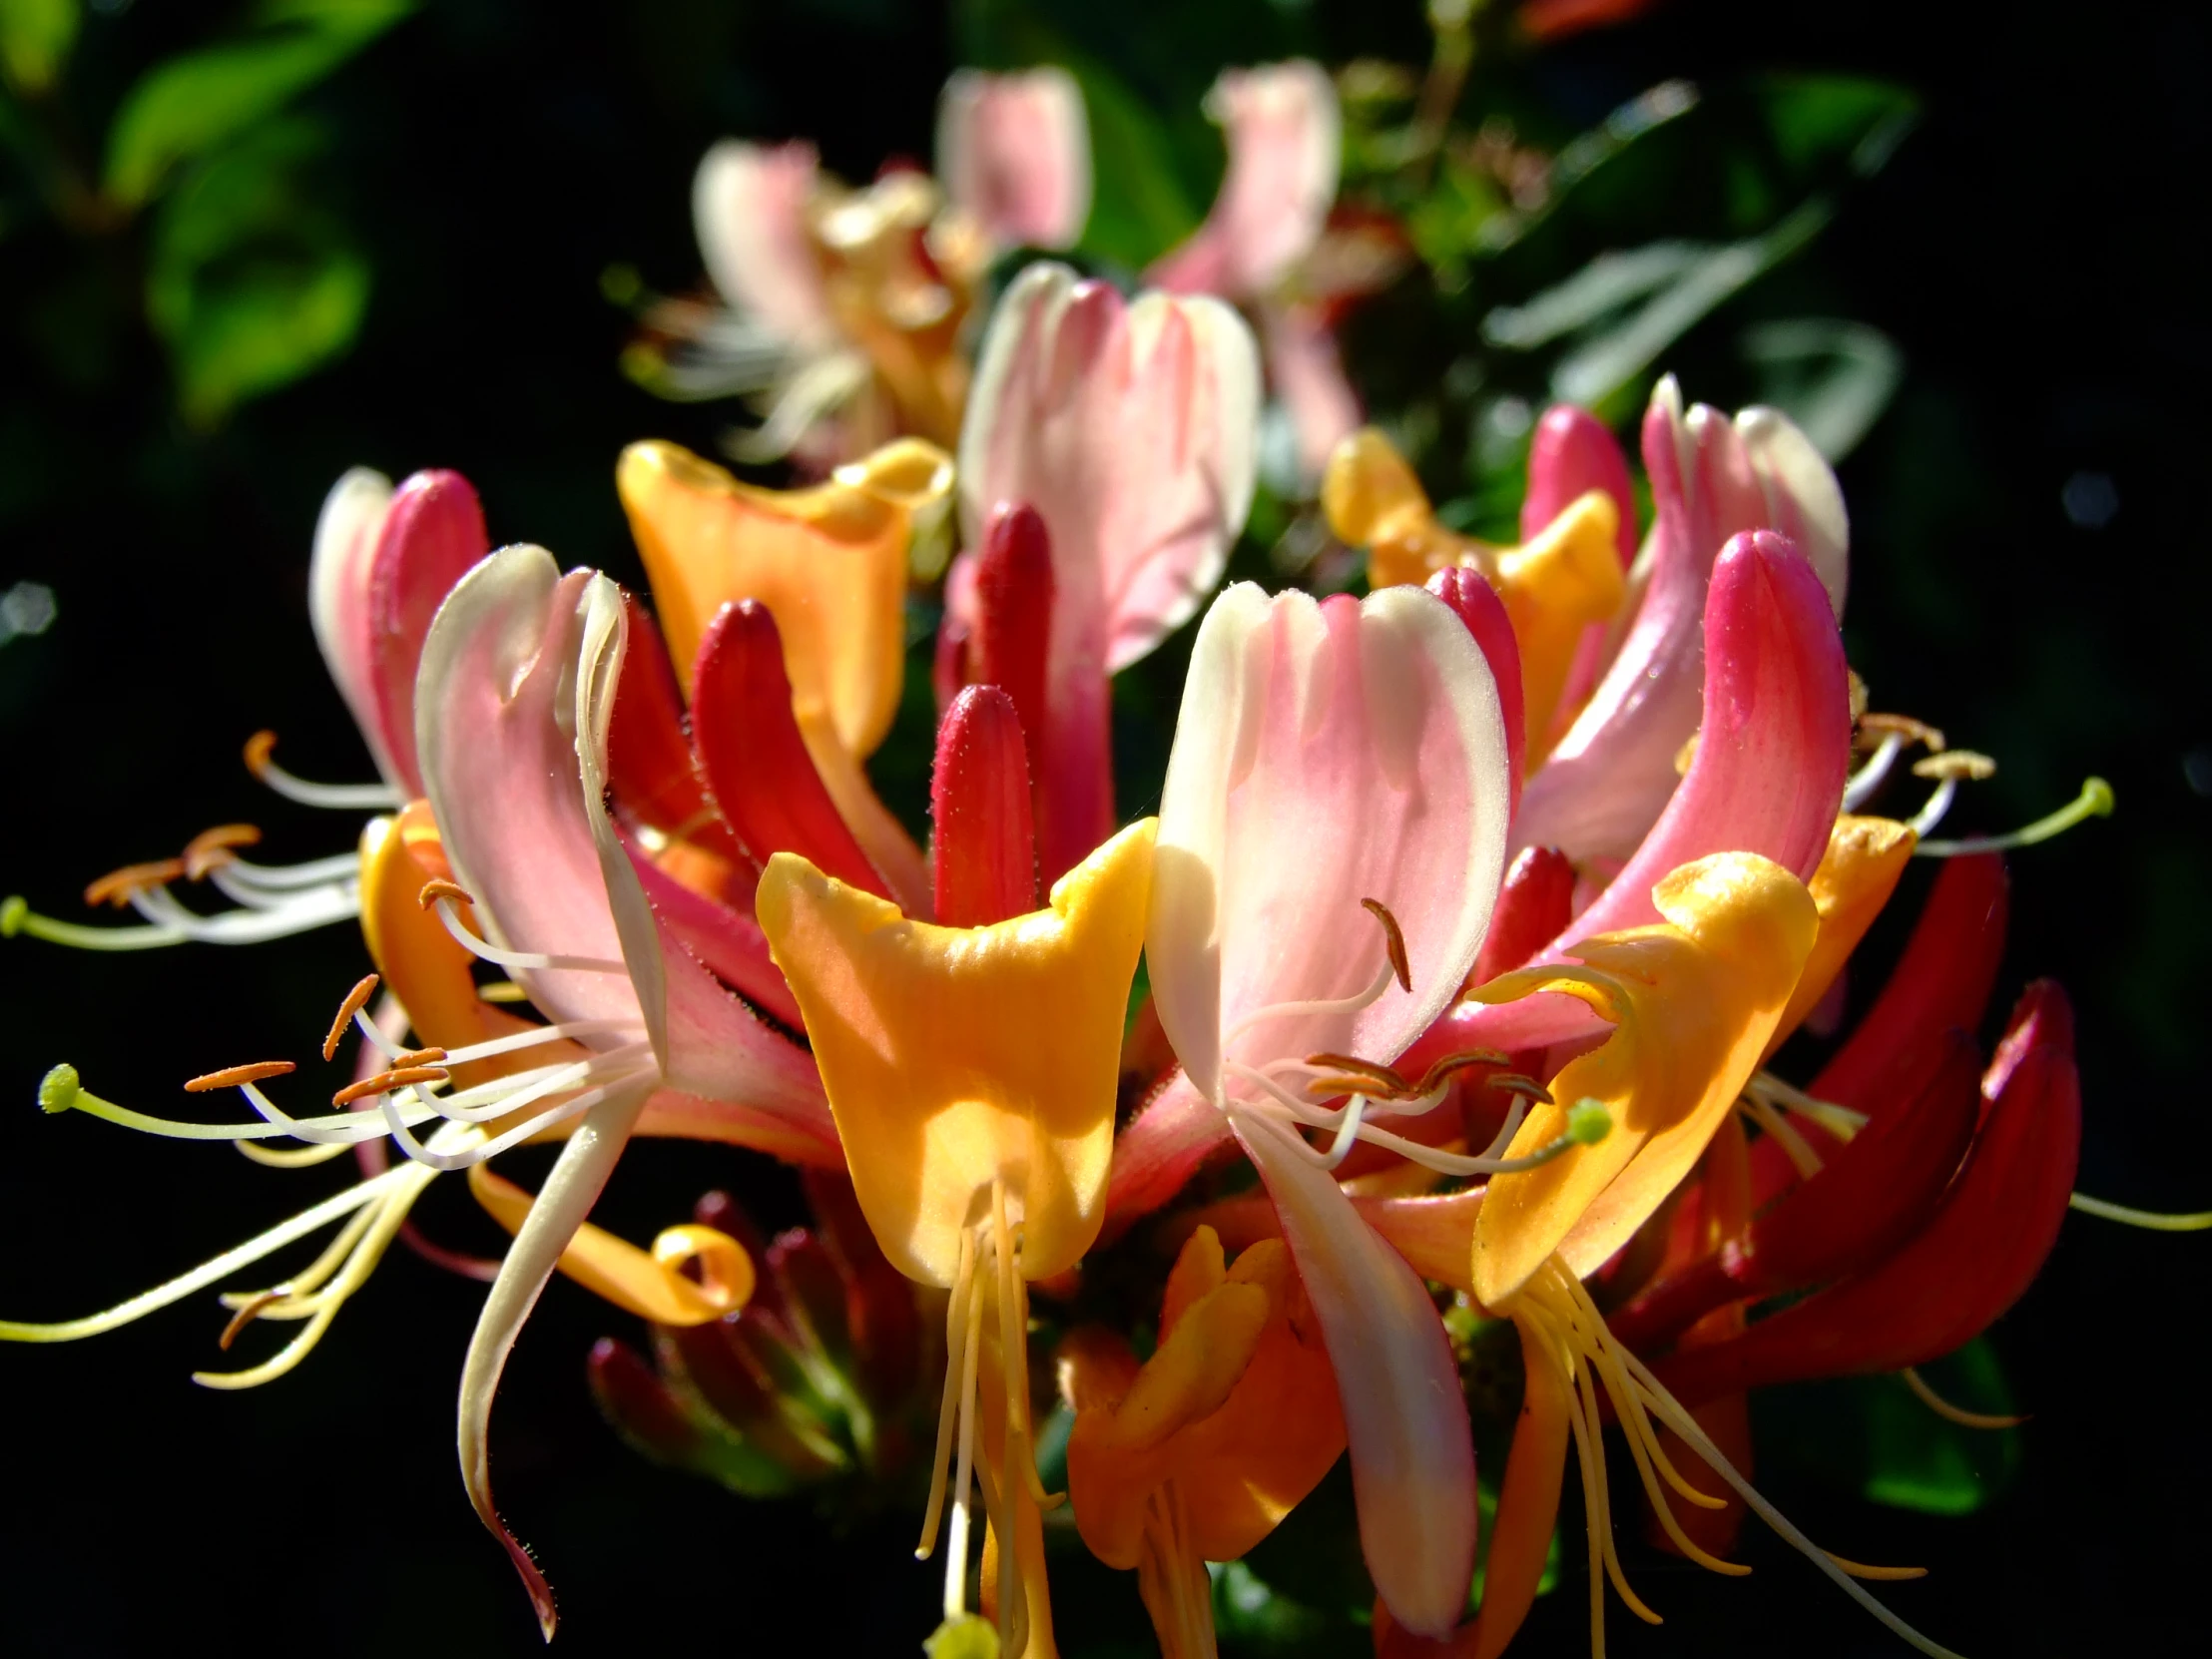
[(517, 692), (1405, 1419), (1768, 776), (1571, 453), (749, 208), (345, 538), (1326, 753), (1307, 374), (1130, 429), (1611, 773), (983, 852), (432, 535), (728, 942), (1014, 154), (1477, 605), (1285, 136)]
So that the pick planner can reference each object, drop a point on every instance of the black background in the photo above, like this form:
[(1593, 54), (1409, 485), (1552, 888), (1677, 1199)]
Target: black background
[(2028, 249)]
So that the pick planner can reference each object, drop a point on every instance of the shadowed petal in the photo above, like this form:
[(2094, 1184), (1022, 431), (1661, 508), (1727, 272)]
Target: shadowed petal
[(1014, 155)]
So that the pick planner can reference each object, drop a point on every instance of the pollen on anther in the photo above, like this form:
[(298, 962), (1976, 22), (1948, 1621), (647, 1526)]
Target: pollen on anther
[(1879, 725), (1955, 763), (355, 1000), (438, 888), (231, 1077), (1393, 942), (211, 849), (417, 1057), (117, 886), (399, 1077)]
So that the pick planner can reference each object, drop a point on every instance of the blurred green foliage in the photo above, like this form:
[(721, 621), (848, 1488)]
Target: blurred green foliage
[(209, 194)]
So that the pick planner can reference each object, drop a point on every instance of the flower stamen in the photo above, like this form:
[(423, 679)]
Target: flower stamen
[(335, 796), (231, 1077), (2153, 1221), (2095, 800), (212, 849), (355, 1000)]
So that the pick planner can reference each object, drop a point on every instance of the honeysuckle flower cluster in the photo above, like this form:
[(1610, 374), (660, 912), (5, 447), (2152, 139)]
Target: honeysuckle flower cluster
[(1472, 914)]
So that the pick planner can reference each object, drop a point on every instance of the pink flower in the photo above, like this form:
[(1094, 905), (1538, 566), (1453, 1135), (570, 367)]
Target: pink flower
[(1014, 155)]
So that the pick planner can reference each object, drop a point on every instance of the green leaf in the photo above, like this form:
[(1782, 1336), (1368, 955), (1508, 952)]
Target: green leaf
[(1816, 119), (35, 38), (1681, 285), (193, 103), (252, 282), (1832, 377), (1918, 1460)]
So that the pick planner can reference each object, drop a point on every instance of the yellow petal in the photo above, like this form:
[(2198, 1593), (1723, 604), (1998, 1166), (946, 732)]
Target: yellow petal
[(1859, 872), (422, 965), (1694, 1000), (1554, 586), (956, 1058), (652, 1286), (829, 562)]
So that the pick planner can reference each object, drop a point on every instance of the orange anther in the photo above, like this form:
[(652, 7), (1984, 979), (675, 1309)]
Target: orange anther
[(419, 1057), (1451, 1064), (399, 1077), (433, 891), (231, 1077), (1512, 1082), (244, 1317), (212, 848), (257, 747), (117, 887), (1393, 942), (1365, 1068), (355, 1000)]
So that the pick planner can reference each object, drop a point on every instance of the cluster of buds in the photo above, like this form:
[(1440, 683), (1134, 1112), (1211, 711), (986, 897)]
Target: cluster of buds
[(1473, 913)]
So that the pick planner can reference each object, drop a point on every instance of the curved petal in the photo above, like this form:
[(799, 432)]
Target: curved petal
[(749, 208), (1014, 154), (346, 536), (579, 1173), (830, 563), (1131, 429), (1613, 771), (1572, 452), (1307, 372), (518, 693), (1326, 754), (432, 534), (1284, 136), (1405, 1419)]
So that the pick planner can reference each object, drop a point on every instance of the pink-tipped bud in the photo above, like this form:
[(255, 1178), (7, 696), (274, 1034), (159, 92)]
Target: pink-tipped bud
[(1535, 905), (752, 757), (1574, 452), (1477, 605), (431, 537), (648, 761), (984, 851)]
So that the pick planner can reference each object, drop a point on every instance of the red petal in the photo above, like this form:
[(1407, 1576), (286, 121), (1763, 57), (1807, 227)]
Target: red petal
[(649, 759), (1971, 1264), (1533, 908), (752, 757), (1574, 452), (984, 854), (1943, 980)]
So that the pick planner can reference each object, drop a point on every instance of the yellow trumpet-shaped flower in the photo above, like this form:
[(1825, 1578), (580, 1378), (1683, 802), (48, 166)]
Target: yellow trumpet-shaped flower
[(1694, 999), (1553, 586), (972, 1075), (1196, 1455), (829, 562)]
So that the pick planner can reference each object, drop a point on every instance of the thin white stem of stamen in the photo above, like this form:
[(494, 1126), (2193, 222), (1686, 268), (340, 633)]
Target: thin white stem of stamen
[(521, 1132), (567, 1029), (1840, 1121), (1347, 1133), (272, 1128), (310, 908), (1937, 804), (1274, 1111), (212, 1272), (1383, 979), (955, 1344), (1795, 1147), (1508, 1129), (2094, 800), (956, 1535), (525, 959), (349, 1130), (1870, 777), (344, 798), (269, 879), (488, 1102)]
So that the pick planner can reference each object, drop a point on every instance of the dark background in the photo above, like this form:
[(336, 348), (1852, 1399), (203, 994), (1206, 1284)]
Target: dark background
[(2027, 250)]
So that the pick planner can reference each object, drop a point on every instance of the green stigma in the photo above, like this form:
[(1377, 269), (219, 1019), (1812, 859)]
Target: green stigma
[(1588, 1121), (58, 1089)]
